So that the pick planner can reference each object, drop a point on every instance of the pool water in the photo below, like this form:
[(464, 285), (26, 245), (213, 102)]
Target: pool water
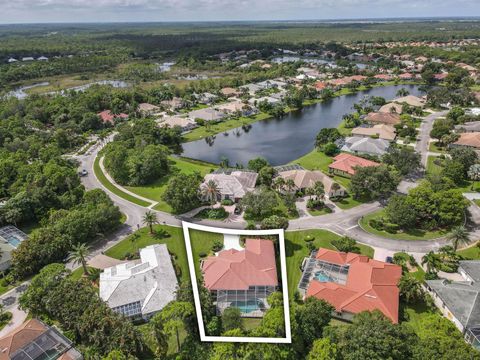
[(245, 306), (14, 242), (322, 277)]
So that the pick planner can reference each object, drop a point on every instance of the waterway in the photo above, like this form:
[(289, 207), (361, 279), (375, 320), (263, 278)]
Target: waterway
[(282, 140)]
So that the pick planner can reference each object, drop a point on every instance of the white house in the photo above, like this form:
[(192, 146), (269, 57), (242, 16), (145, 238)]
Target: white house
[(140, 288)]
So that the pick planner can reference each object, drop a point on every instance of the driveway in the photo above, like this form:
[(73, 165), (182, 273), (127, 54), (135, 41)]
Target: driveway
[(231, 242), (424, 135)]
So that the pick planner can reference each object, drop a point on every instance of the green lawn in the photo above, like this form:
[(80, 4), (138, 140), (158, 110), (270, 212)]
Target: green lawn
[(316, 212), (203, 131), (414, 234), (348, 203), (415, 313), (434, 148), (296, 250), (175, 244), (103, 179), (202, 242), (155, 190), (471, 253), (433, 168), (251, 323), (466, 186)]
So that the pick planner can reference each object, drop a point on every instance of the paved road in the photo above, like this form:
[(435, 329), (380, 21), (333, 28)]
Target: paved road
[(424, 136)]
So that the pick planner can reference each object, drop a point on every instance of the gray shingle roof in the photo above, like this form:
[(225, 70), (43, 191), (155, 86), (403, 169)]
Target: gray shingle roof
[(472, 268)]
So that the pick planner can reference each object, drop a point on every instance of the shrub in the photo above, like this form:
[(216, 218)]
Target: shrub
[(315, 204), (227, 202), (376, 224), (346, 244), (217, 245), (216, 214), (274, 222), (250, 225), (309, 238), (391, 228), (202, 254), (310, 246)]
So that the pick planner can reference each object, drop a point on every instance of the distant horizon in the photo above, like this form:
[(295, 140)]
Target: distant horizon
[(329, 20), (168, 11)]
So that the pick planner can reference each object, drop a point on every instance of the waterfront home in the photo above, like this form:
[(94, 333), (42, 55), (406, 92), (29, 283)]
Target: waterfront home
[(346, 164), (232, 184), (411, 100), (387, 118), (391, 107), (268, 99), (468, 139), (42, 58), (28, 58), (365, 145), (184, 123), (304, 179), (12, 60), (174, 104), (207, 114), (459, 301), (406, 76), (108, 117), (383, 77), (381, 131), (34, 340), (352, 283), (140, 288), (236, 107), (242, 278)]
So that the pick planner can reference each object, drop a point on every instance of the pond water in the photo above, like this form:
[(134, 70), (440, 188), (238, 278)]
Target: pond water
[(282, 140)]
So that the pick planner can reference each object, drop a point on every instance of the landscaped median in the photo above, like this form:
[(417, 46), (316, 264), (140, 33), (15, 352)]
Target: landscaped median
[(413, 234), (105, 182)]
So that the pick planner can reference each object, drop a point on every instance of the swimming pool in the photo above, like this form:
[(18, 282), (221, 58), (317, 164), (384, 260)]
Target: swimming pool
[(322, 277), (246, 306), (14, 241)]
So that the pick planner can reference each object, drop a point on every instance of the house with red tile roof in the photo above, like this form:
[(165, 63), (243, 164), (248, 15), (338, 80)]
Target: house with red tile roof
[(383, 77), (345, 164), (35, 340), (352, 283), (108, 117), (242, 278)]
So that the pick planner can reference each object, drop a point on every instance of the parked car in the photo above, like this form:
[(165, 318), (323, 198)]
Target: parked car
[(237, 210), (83, 173), (389, 260)]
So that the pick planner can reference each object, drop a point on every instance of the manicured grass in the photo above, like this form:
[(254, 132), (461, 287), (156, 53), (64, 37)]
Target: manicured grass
[(348, 203), (155, 190), (322, 211), (414, 234), (296, 250), (175, 244), (203, 131), (78, 273), (317, 160), (471, 253), (7, 316), (251, 323), (477, 201), (434, 148), (103, 179), (433, 168), (202, 242)]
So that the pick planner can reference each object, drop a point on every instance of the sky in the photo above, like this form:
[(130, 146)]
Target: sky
[(43, 11)]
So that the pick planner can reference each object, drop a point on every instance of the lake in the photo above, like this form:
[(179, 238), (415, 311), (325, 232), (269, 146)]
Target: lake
[(282, 140)]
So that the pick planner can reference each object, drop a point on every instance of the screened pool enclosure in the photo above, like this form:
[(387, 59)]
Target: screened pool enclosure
[(251, 302)]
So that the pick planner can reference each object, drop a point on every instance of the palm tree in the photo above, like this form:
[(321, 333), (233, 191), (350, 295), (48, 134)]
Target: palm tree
[(149, 219), (474, 173), (78, 256), (432, 261), (319, 190), (290, 184), (459, 235), (335, 187), (211, 192), (410, 289), (402, 92), (279, 183)]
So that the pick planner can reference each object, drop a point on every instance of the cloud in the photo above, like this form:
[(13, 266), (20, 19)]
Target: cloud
[(139, 10)]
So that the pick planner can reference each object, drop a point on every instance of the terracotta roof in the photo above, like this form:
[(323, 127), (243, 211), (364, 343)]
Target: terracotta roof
[(108, 116), (406, 76), (471, 139), (371, 285), (441, 76), (383, 131), (21, 336), (387, 108), (347, 163), (238, 270), (385, 77), (320, 85), (383, 118)]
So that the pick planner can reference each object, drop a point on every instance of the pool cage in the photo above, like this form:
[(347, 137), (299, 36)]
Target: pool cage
[(11, 235), (472, 336), (251, 302), (322, 271)]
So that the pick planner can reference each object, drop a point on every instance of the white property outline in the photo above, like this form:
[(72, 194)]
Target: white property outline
[(196, 296)]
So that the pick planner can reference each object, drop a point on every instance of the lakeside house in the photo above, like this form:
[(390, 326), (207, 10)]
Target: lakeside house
[(459, 301), (184, 123), (242, 278), (387, 118), (174, 104), (381, 131), (10, 239), (383, 77), (234, 107), (305, 179), (391, 107), (468, 139), (107, 116), (232, 184), (365, 145), (207, 114), (34, 340), (352, 283), (411, 100), (140, 288), (345, 164)]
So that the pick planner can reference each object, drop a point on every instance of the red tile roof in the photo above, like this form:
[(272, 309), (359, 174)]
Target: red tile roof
[(238, 270), (371, 285), (347, 163), (383, 77), (21, 336), (108, 116), (320, 85)]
